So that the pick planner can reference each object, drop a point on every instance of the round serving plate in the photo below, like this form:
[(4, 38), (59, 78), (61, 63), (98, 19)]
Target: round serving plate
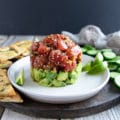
[(85, 87)]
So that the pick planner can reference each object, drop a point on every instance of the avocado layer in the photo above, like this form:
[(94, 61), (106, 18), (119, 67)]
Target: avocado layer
[(55, 79)]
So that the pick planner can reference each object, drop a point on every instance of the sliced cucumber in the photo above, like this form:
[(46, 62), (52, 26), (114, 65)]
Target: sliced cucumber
[(118, 70), (83, 50), (109, 55), (117, 58), (112, 67), (118, 62), (106, 50), (89, 47), (113, 75), (92, 52), (117, 81)]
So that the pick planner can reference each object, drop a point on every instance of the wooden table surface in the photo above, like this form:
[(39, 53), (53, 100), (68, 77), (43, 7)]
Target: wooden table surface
[(7, 114)]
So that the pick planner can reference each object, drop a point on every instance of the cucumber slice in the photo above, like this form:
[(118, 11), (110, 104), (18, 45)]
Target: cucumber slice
[(117, 81), (112, 67), (113, 75), (109, 55), (20, 78), (83, 50), (117, 58), (92, 52), (118, 70), (89, 47), (118, 62), (106, 50)]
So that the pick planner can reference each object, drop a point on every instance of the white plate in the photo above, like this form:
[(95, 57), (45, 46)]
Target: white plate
[(85, 87)]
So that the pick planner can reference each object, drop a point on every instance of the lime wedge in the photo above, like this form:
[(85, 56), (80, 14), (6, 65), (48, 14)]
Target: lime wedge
[(98, 58), (87, 67), (98, 68), (20, 78)]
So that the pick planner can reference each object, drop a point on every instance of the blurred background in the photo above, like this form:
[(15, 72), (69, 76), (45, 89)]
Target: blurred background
[(53, 16)]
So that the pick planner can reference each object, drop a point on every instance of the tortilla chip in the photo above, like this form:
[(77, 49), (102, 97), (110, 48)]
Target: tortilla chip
[(7, 92), (23, 42), (6, 88), (3, 72), (22, 47), (16, 99), (3, 49), (7, 55), (19, 57), (5, 63)]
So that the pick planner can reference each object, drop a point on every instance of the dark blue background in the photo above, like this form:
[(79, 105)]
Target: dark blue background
[(53, 16)]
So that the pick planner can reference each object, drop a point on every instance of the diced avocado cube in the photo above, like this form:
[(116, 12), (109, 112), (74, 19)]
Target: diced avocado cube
[(70, 81), (36, 74), (62, 76), (73, 75), (46, 71), (57, 83), (79, 68), (44, 82), (41, 74), (51, 75)]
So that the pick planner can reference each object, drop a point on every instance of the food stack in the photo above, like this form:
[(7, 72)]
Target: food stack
[(55, 61)]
